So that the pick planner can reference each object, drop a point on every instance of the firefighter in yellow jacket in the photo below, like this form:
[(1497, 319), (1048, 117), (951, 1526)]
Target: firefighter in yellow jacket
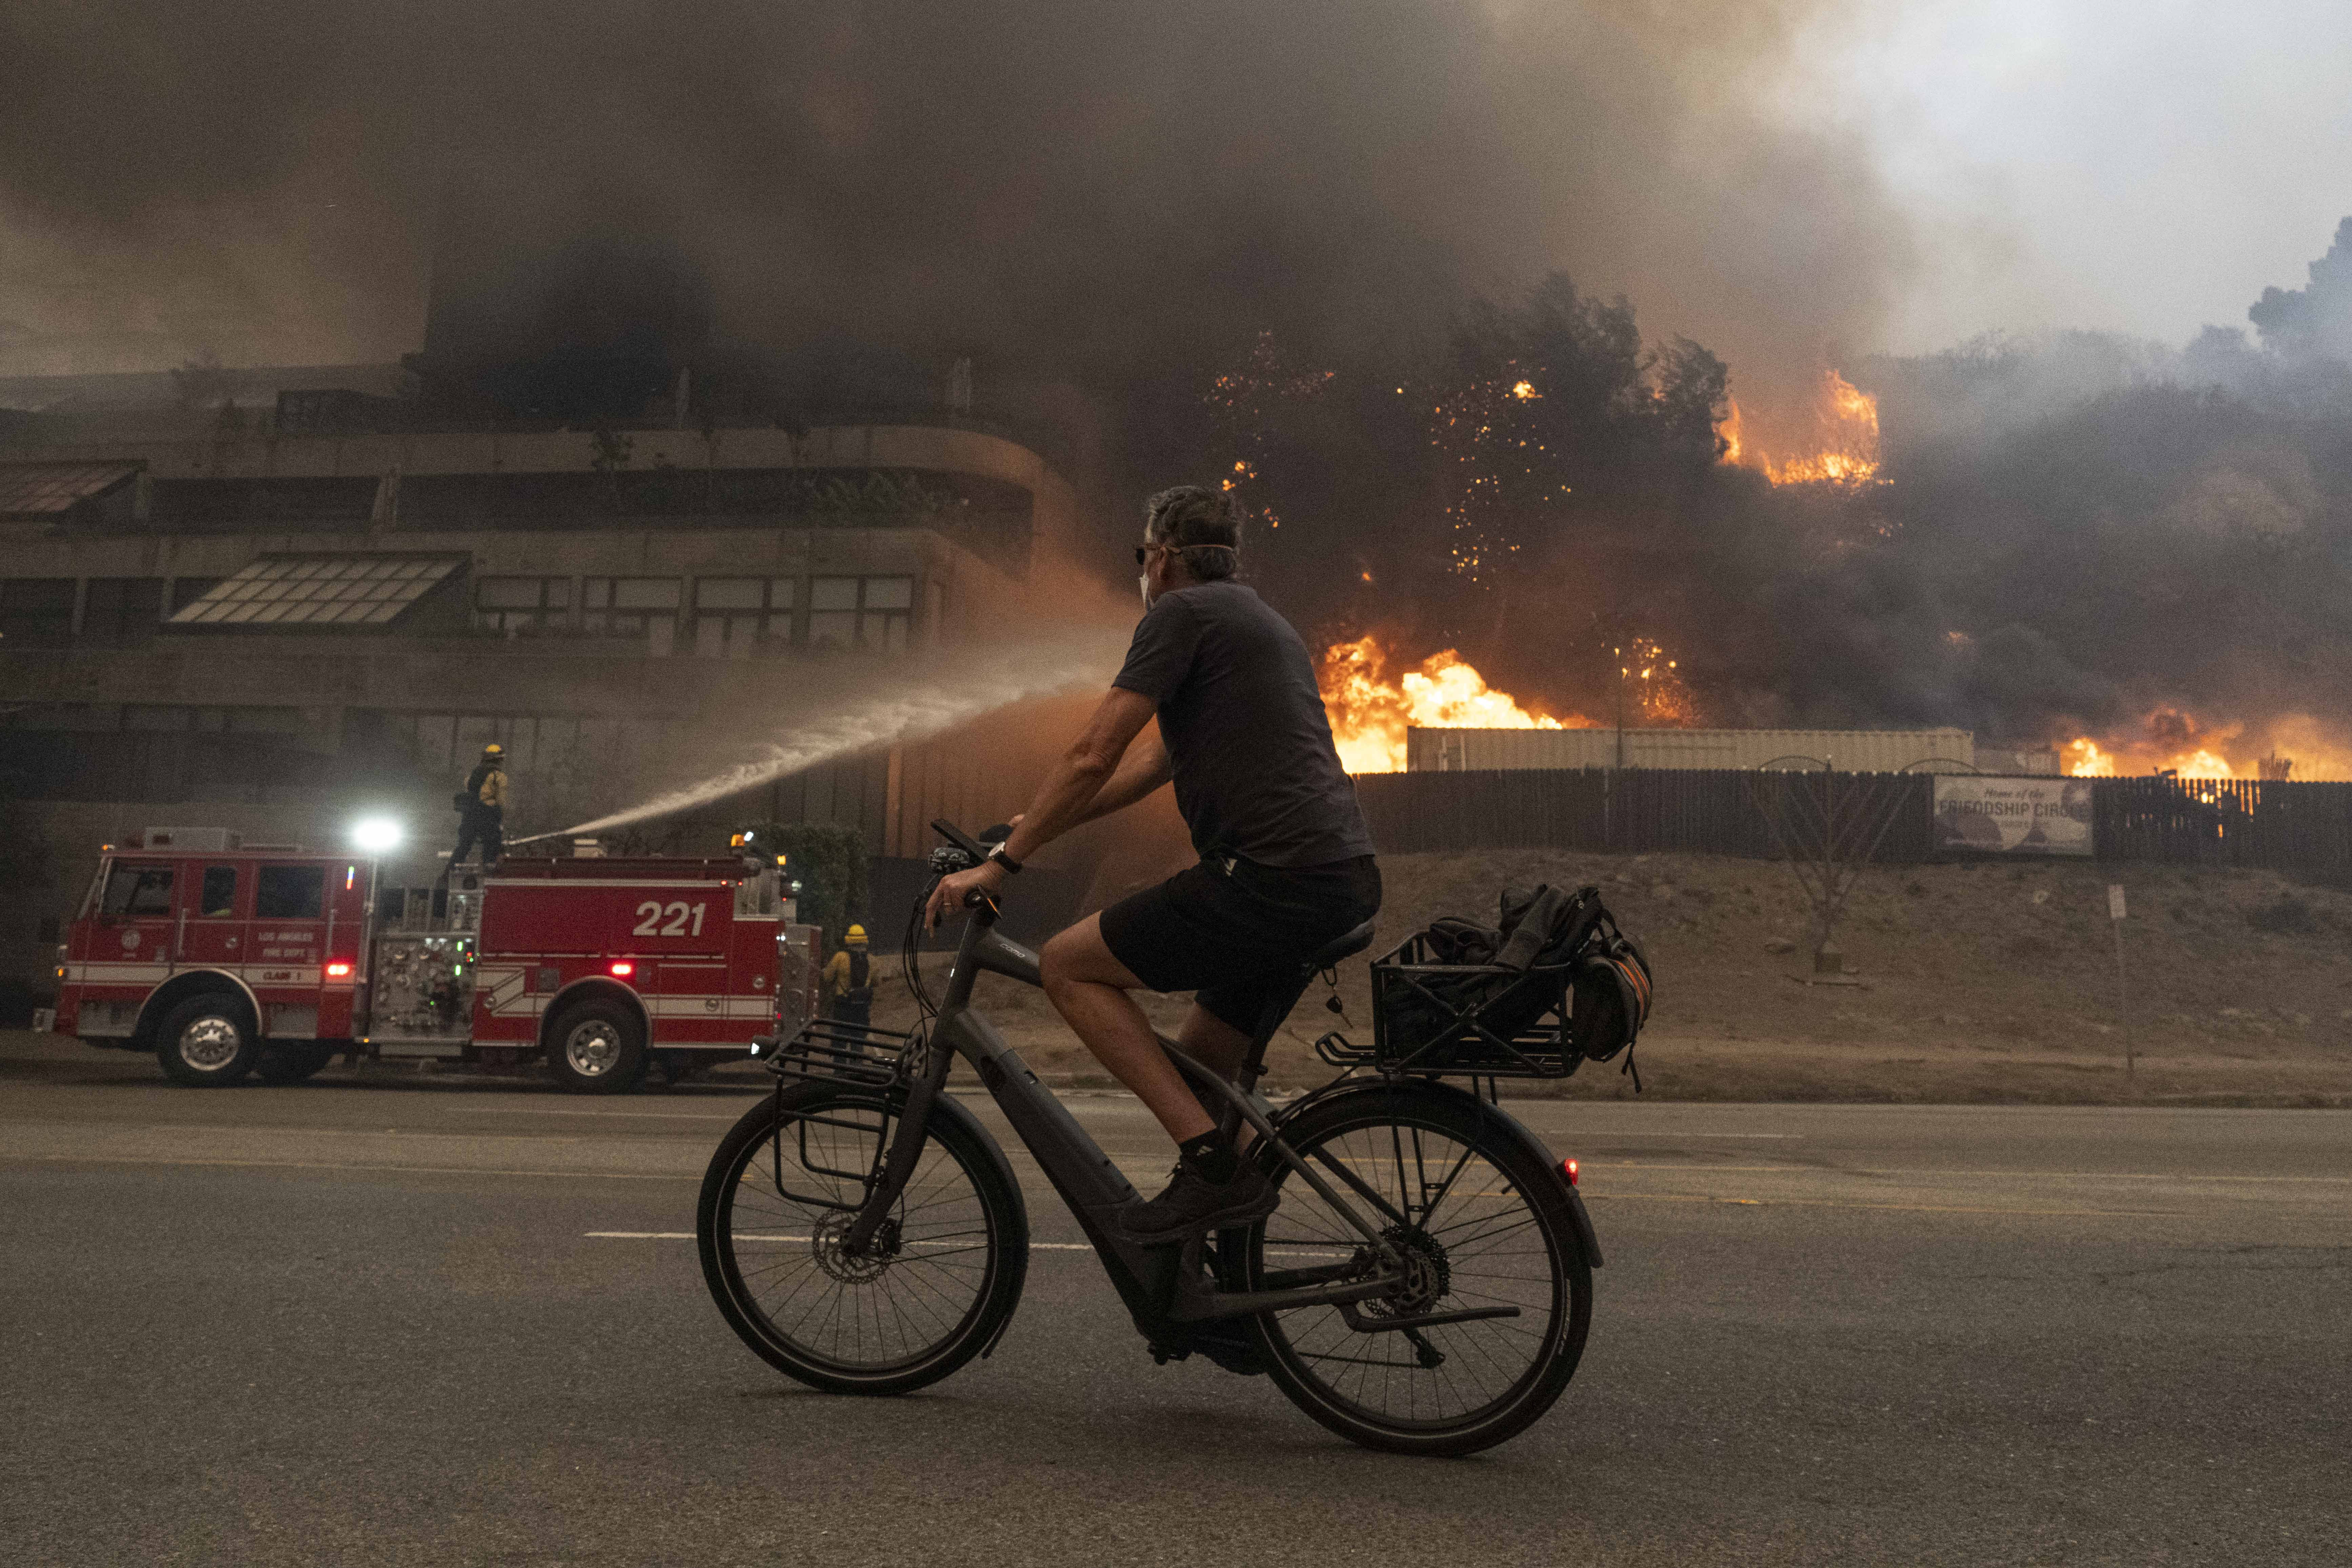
[(482, 810), (849, 980)]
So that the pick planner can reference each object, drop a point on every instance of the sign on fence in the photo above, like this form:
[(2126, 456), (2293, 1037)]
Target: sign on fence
[(2013, 815)]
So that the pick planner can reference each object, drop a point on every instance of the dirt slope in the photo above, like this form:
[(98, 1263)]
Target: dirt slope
[(1978, 982)]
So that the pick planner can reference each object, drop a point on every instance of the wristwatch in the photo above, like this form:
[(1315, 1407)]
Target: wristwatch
[(1010, 866)]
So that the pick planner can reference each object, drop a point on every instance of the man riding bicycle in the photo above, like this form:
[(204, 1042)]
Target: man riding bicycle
[(1285, 862)]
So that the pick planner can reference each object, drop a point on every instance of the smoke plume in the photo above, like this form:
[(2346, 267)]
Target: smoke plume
[(1090, 192)]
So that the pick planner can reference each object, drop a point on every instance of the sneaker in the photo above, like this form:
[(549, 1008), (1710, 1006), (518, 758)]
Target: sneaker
[(1190, 1204)]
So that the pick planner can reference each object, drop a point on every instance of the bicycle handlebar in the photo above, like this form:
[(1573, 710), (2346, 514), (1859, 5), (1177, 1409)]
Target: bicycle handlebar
[(959, 838)]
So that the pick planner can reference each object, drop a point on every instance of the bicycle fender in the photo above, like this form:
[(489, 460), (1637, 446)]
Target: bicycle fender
[(1579, 1219)]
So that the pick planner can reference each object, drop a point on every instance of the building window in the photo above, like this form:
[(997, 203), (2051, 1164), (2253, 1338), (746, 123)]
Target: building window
[(121, 610), (873, 612), (37, 612), (631, 607), (736, 616), (187, 591), (523, 606)]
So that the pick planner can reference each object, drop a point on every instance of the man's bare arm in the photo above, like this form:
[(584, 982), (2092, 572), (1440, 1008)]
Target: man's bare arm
[(1094, 762), (1145, 768), (1096, 766)]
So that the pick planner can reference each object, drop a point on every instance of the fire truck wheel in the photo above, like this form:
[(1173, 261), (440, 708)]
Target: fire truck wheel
[(597, 1046), (206, 1041), (292, 1061)]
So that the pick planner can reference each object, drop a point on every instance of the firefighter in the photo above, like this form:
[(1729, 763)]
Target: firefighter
[(482, 811), (849, 980)]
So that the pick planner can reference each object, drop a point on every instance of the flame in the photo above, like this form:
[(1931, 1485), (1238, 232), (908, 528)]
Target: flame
[(1370, 714), (2290, 746), (1525, 391), (2088, 761), (1843, 436)]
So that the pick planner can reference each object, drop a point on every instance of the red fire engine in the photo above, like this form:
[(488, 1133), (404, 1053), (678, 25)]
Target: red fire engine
[(225, 959)]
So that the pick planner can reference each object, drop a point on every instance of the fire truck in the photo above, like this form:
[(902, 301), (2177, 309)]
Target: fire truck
[(227, 959)]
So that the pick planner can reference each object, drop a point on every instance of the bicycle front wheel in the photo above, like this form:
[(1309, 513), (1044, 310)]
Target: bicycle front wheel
[(936, 1286), (1482, 1222)]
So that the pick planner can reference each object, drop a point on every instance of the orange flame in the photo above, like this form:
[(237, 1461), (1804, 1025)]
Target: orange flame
[(2290, 746), (1844, 438), (2088, 761), (1369, 712)]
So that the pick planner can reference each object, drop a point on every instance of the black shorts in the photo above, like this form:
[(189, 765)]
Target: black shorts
[(1235, 932)]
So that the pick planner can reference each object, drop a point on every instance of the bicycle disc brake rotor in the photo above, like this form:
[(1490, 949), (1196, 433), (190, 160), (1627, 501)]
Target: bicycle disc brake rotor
[(1428, 1275), (825, 1246)]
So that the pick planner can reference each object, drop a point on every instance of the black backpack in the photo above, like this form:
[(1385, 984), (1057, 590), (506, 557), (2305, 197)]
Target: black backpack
[(1547, 941), (861, 977)]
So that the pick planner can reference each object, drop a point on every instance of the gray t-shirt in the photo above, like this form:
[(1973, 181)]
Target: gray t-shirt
[(1256, 775)]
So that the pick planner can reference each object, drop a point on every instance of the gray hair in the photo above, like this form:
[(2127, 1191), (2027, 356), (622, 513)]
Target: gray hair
[(1204, 525)]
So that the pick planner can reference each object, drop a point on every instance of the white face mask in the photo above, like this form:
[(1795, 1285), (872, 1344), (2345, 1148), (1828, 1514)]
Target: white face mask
[(1144, 583)]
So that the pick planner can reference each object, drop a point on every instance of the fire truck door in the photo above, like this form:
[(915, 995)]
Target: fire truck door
[(350, 887), (212, 928), (286, 953), (133, 942)]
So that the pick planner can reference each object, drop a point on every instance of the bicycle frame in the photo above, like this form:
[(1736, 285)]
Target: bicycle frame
[(1163, 1287)]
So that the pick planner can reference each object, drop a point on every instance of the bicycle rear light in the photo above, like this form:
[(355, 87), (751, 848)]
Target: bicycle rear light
[(1568, 1169)]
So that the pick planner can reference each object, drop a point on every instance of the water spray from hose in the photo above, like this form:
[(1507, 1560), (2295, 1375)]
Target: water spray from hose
[(980, 683)]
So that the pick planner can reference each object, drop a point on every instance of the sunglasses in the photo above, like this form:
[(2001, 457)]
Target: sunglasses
[(1143, 552)]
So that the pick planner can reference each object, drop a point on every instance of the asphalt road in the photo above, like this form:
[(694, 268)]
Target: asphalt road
[(449, 1321)]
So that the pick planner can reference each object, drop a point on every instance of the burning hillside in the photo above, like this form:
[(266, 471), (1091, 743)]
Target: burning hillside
[(1837, 444)]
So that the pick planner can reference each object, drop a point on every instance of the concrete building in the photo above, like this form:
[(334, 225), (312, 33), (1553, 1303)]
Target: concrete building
[(251, 601)]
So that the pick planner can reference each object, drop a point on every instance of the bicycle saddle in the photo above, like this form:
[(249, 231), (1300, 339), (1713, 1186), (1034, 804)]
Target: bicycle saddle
[(1347, 946)]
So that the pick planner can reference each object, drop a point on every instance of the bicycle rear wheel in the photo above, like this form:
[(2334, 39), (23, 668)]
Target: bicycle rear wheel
[(938, 1284), (1482, 1223)]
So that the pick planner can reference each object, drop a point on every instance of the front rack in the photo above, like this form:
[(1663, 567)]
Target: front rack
[(828, 1050)]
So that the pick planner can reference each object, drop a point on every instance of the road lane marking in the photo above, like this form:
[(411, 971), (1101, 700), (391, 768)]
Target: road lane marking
[(1893, 1208), (1595, 1136), (688, 1236), (332, 1165), (562, 1111)]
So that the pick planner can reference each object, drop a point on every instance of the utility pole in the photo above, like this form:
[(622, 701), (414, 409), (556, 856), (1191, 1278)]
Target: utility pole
[(1621, 706)]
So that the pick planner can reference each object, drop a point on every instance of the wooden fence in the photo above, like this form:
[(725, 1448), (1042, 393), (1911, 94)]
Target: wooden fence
[(2303, 829)]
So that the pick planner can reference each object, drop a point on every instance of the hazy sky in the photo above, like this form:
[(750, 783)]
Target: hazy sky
[(2139, 165)]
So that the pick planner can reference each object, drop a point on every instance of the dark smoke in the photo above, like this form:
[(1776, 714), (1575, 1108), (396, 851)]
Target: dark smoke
[(1108, 204), (2081, 534), (1090, 192)]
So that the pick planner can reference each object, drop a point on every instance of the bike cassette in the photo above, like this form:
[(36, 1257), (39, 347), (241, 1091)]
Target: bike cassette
[(1428, 1275)]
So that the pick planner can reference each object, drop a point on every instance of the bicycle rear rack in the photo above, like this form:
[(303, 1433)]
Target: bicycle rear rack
[(827, 1050)]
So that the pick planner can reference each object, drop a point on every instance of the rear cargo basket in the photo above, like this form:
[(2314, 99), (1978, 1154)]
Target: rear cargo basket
[(1469, 1020)]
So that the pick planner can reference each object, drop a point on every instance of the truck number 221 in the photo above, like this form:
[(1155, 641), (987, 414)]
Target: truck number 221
[(684, 921)]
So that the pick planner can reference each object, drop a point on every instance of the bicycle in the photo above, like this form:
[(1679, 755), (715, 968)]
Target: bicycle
[(1425, 1286)]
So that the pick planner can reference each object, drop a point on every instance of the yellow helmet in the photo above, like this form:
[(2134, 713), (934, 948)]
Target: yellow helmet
[(855, 936), (494, 749)]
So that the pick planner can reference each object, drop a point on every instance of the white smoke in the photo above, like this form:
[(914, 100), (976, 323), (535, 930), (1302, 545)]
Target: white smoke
[(979, 684)]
